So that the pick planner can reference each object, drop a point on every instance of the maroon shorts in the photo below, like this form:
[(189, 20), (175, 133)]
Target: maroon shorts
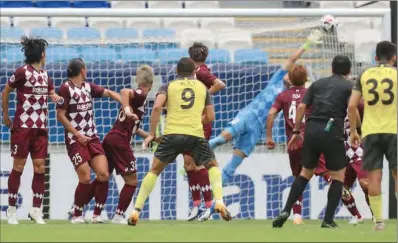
[(353, 171), (321, 167), (119, 154), (295, 161), (80, 154), (29, 140)]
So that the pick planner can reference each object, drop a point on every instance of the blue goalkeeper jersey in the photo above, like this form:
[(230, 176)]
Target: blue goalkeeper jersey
[(262, 103)]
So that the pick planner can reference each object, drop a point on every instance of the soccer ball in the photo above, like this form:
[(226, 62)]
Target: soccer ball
[(328, 23)]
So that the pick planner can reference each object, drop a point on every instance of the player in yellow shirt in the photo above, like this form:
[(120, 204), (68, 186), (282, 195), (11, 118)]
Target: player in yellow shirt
[(378, 87), (189, 106)]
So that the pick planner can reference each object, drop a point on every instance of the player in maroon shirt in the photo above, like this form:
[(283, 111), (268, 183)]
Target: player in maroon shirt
[(83, 145), (29, 129), (117, 142), (198, 177)]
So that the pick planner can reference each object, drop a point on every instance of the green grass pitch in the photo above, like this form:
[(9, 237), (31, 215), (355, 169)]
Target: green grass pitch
[(182, 231)]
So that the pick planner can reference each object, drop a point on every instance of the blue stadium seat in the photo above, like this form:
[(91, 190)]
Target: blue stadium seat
[(99, 54), (60, 54), (121, 34), (251, 56), (218, 56), (11, 33), (13, 54), (172, 55), (138, 55), (48, 33), (90, 4), (53, 4), (161, 33), (16, 4), (83, 33)]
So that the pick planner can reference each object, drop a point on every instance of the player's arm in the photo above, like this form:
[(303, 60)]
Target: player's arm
[(208, 112), (355, 98), (51, 92), (210, 80), (5, 100), (217, 86), (126, 95), (156, 112), (140, 132), (273, 112), (113, 95)]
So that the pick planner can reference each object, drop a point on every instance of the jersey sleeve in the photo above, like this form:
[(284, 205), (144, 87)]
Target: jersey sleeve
[(96, 90), (163, 90), (18, 79), (309, 95), (64, 93), (205, 77), (278, 103), (278, 76), (208, 100)]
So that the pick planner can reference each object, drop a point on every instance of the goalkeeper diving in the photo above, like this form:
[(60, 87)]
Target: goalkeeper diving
[(246, 128)]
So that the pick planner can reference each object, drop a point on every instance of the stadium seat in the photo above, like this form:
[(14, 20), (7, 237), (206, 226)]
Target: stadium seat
[(138, 55), (202, 4), (13, 54), (53, 4), (11, 34), (104, 23), (251, 56), (336, 4), (143, 23), (5, 21), (128, 4), (164, 4), (158, 33), (204, 36), (48, 33), (172, 55), (218, 56), (234, 40), (99, 54), (60, 54), (180, 23), (83, 34), (16, 4), (217, 23), (120, 35), (365, 42), (65, 23), (28, 23), (90, 4)]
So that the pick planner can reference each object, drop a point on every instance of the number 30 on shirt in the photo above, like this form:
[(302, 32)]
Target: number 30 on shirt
[(292, 112)]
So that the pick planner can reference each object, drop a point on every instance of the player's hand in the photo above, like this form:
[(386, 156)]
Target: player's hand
[(129, 113), (56, 98), (355, 139), (295, 142), (270, 143), (158, 140), (7, 122), (148, 140), (315, 36), (83, 140)]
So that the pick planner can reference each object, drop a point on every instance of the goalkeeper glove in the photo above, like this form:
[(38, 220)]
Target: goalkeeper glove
[(314, 38)]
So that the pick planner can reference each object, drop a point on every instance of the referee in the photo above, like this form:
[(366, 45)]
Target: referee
[(324, 134)]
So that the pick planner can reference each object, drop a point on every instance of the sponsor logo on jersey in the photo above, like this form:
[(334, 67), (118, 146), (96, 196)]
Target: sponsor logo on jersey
[(12, 79), (40, 90), (85, 107)]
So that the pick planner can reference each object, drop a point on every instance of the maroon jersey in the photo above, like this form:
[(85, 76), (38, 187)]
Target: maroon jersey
[(33, 87), (353, 153), (204, 75), (78, 103), (288, 101), (125, 126)]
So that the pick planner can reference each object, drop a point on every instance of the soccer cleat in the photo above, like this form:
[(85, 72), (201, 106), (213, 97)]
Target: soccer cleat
[(297, 219), (280, 220), (77, 220), (205, 215), (36, 215), (118, 219), (71, 212), (379, 226), (133, 219), (97, 219), (12, 215), (355, 220), (329, 225), (223, 211), (194, 213)]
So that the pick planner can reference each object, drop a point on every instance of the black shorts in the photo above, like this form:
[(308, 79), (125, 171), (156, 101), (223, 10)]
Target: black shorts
[(174, 144), (375, 147), (330, 144)]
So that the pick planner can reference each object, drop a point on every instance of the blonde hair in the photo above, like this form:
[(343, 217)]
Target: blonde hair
[(145, 75)]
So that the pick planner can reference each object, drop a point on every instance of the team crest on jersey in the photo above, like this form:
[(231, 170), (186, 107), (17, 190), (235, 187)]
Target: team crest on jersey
[(138, 91), (12, 79)]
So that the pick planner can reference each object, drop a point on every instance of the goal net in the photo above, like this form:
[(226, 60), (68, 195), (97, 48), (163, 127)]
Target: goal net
[(244, 53)]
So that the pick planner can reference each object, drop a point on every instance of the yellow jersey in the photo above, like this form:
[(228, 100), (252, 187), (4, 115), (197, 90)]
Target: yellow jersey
[(378, 86), (186, 100)]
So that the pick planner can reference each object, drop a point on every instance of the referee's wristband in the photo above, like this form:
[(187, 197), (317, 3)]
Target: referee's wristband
[(296, 132)]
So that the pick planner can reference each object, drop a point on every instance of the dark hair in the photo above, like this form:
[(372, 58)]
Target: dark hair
[(341, 65), (198, 52), (385, 50), (298, 75), (75, 66), (33, 49), (185, 67)]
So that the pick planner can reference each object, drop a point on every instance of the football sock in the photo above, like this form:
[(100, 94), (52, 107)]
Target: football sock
[(365, 191), (204, 183), (215, 181), (230, 168), (147, 185), (126, 195), (296, 191), (349, 203), (297, 205), (14, 180), (194, 187), (101, 193), (217, 141), (334, 195), (81, 198), (93, 185), (376, 204), (38, 186)]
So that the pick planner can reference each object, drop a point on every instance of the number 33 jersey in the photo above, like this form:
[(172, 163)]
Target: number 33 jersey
[(378, 86), (126, 126)]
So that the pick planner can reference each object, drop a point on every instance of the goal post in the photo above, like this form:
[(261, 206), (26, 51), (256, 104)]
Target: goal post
[(261, 184)]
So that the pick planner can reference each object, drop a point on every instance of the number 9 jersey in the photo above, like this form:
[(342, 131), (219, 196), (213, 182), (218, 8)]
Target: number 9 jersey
[(378, 86)]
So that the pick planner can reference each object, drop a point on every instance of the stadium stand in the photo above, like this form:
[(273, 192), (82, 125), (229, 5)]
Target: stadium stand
[(31, 22), (11, 34), (180, 23), (84, 34), (218, 56), (165, 4), (53, 4), (99, 54), (16, 4), (202, 4), (143, 23), (121, 35), (5, 21), (90, 4), (217, 23), (364, 47), (190, 36), (64, 23), (128, 4), (60, 54), (103, 24), (251, 56), (138, 55), (337, 4), (168, 56), (51, 34)]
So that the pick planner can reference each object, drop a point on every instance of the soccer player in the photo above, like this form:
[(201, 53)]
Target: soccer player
[(189, 105), (378, 87), (82, 142), (248, 125), (29, 133), (198, 176), (117, 142)]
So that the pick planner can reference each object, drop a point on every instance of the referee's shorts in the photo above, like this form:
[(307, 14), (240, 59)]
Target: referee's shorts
[(317, 141)]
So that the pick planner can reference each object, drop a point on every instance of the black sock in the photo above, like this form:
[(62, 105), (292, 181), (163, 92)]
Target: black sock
[(334, 195), (297, 189)]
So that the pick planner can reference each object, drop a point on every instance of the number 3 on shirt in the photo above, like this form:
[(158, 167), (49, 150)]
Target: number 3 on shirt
[(188, 98), (387, 91), (292, 112)]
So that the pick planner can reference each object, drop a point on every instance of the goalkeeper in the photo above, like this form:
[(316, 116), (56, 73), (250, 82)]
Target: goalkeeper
[(247, 127)]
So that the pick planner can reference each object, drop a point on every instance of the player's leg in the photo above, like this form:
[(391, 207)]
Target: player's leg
[(236, 127), (236, 160), (295, 166), (348, 198), (221, 139), (100, 166), (194, 187), (125, 197), (390, 145)]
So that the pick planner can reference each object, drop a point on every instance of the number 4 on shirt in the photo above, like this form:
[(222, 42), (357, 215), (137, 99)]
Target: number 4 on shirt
[(292, 112)]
